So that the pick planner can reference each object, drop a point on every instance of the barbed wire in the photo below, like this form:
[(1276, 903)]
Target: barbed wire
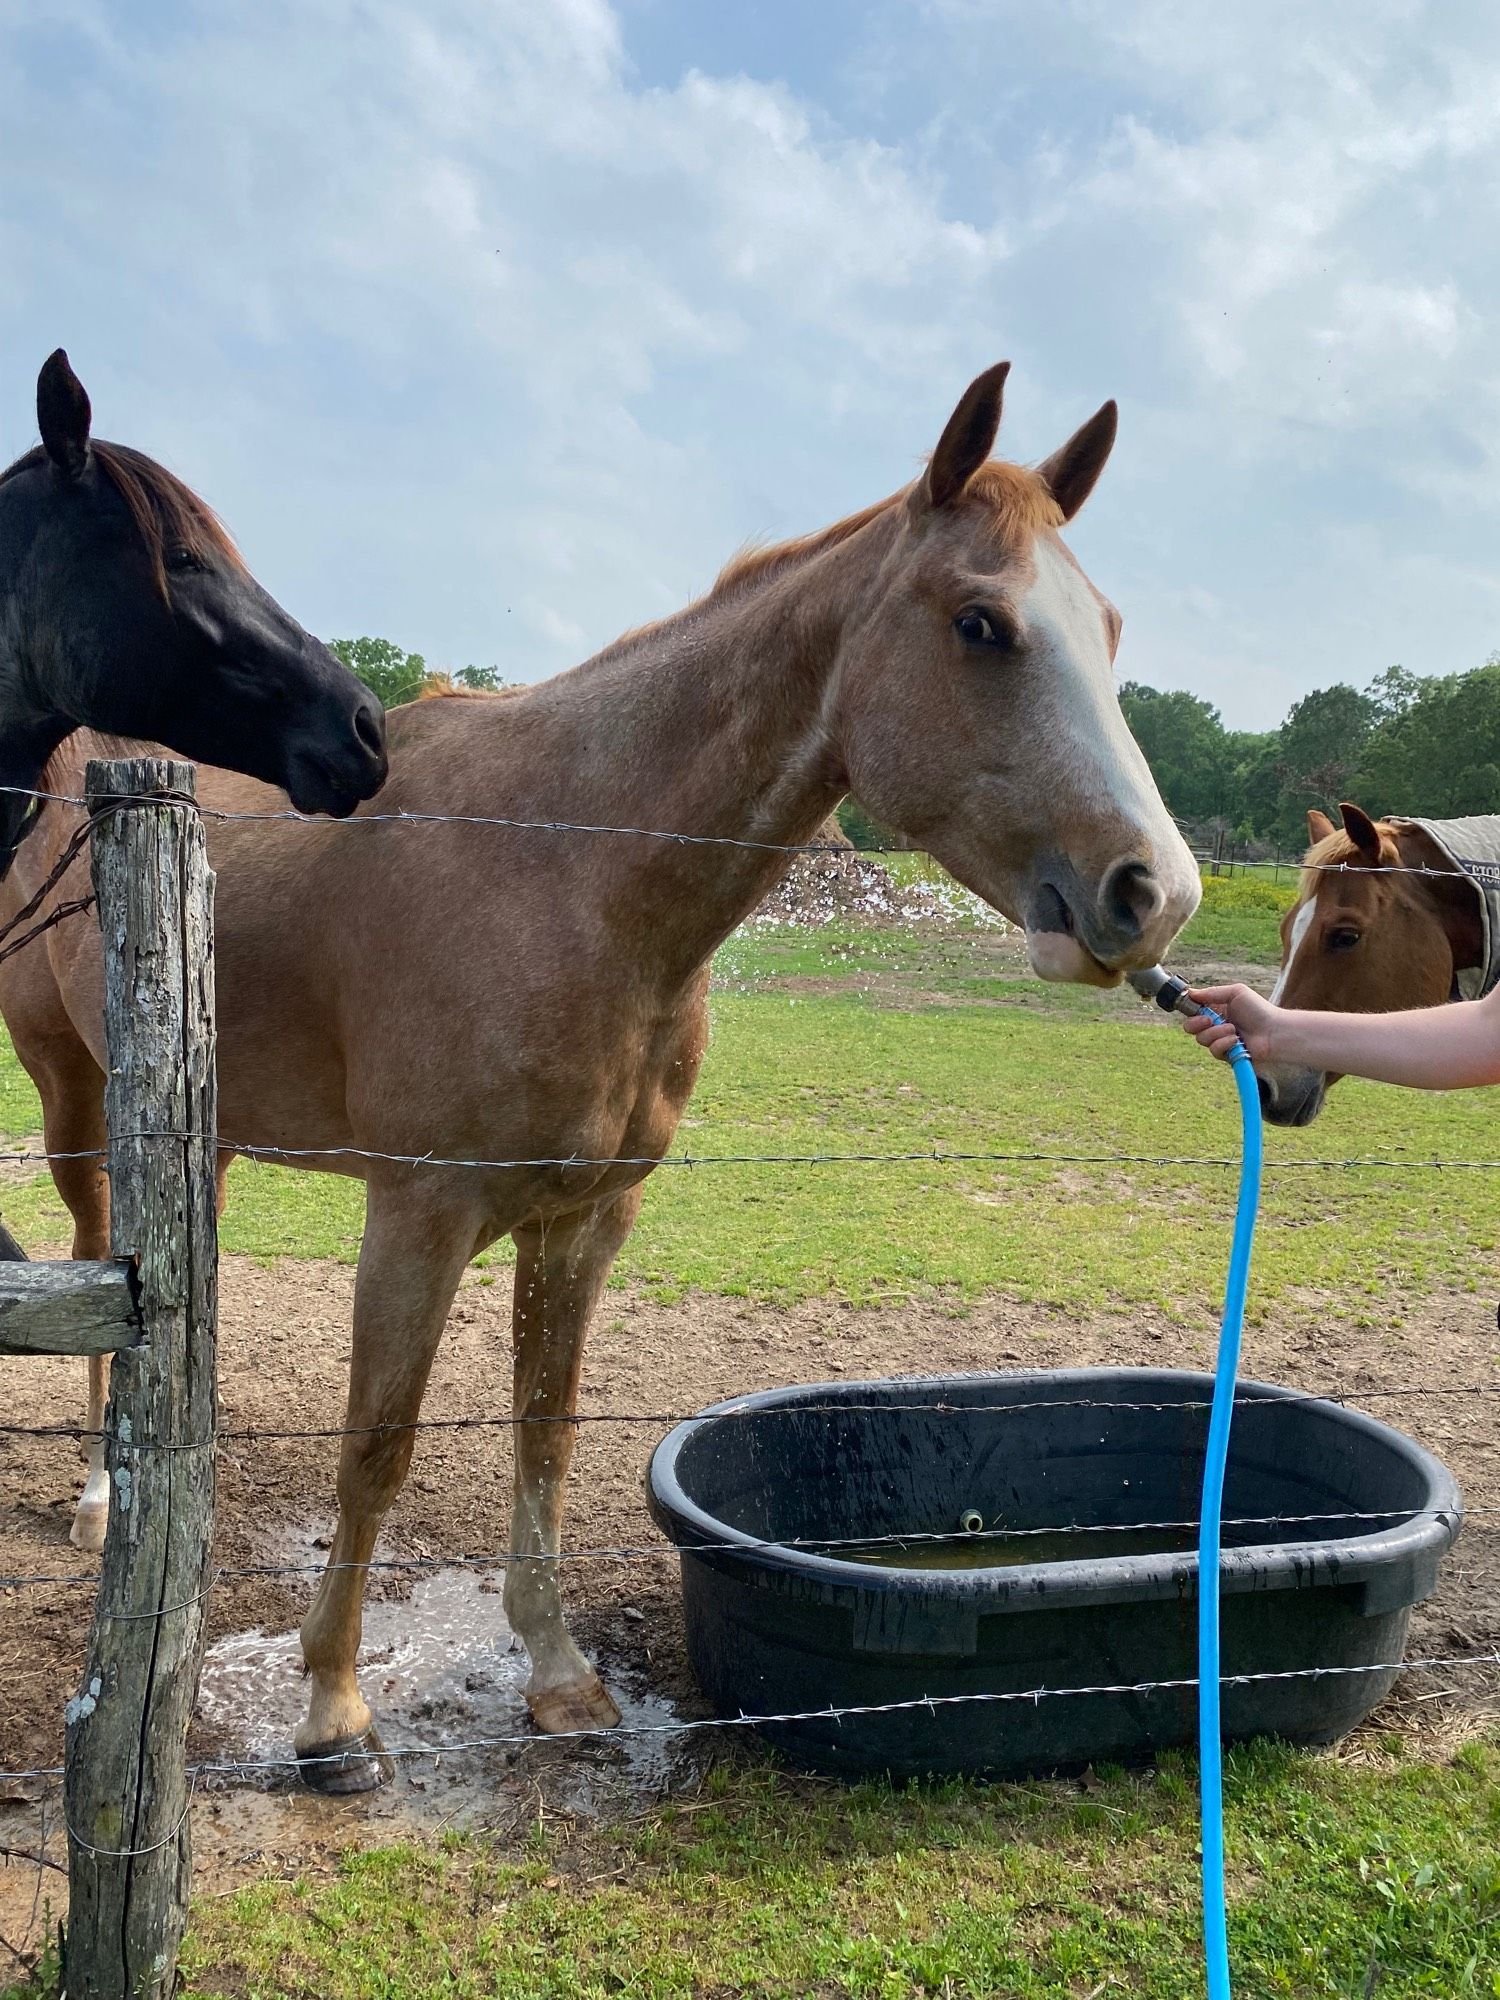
[(239, 1767), (290, 815), (751, 1545), (914, 1157), (834, 1713), (734, 1412)]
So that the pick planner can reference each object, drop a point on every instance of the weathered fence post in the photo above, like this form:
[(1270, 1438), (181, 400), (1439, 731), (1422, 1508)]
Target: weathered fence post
[(126, 1786)]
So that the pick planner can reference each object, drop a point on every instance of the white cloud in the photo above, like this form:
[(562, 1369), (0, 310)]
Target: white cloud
[(481, 342), (462, 252)]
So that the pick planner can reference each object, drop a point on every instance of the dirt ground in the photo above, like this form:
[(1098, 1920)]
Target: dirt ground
[(283, 1354)]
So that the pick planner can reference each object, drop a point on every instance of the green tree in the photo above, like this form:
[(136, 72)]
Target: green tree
[(1322, 743), (1393, 693), (394, 676), (1184, 742), (391, 675)]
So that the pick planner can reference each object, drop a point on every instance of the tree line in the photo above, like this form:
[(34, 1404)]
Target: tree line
[(1404, 744)]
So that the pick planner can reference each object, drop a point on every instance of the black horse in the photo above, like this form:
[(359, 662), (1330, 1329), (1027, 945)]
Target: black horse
[(125, 607)]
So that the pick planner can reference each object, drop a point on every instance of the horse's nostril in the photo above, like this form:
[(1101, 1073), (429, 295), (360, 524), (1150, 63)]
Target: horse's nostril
[(1131, 896), (369, 727)]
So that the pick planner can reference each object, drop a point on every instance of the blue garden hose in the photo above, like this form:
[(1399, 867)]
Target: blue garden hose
[(1171, 995)]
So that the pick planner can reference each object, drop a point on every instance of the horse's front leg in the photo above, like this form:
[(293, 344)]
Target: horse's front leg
[(560, 1272), (410, 1263)]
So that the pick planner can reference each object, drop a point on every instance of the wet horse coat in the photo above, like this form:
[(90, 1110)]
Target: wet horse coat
[(491, 994)]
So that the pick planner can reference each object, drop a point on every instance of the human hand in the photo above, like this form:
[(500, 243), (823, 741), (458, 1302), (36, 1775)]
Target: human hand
[(1247, 1018)]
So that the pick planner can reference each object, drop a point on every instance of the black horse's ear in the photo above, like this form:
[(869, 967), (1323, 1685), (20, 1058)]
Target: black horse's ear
[(1362, 830), (63, 415), (967, 436), (1072, 471)]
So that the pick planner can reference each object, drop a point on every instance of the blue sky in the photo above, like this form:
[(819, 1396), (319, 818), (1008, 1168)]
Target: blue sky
[(494, 327)]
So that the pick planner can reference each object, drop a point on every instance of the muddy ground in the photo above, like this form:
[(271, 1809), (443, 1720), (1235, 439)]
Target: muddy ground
[(438, 1666)]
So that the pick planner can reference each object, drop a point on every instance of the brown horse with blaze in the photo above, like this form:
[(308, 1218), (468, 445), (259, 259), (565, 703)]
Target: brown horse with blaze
[(1365, 937)]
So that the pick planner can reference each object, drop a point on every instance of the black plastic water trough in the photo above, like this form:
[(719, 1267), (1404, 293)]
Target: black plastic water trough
[(781, 1629)]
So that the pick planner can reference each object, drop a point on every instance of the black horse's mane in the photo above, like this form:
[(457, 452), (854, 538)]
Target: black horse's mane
[(167, 513)]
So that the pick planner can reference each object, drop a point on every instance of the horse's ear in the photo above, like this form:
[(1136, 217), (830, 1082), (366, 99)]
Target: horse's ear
[(1362, 830), (63, 415), (967, 437), (1319, 825), (1072, 472)]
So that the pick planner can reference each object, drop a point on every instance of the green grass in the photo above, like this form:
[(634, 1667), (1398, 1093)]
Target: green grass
[(1240, 918), (1345, 1881), (871, 1068), (1016, 1892)]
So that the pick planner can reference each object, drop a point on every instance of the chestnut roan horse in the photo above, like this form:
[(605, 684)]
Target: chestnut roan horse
[(1361, 940), (124, 606), (499, 994)]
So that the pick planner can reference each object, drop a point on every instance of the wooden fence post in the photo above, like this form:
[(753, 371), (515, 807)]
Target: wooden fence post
[(126, 1789)]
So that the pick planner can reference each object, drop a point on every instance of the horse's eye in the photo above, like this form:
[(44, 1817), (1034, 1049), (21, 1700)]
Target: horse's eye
[(977, 628), (182, 559), (1342, 939)]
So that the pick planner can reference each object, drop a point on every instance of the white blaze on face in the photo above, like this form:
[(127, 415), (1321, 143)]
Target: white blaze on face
[(1086, 747), (1300, 925)]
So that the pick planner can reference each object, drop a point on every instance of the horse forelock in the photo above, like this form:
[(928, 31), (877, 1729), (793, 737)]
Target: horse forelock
[(1338, 849), (1021, 502), (167, 513)]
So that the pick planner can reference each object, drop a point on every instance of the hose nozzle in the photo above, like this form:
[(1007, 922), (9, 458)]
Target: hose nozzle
[(1169, 992)]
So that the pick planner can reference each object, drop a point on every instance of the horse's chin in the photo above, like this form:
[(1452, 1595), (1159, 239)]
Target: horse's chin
[(1292, 1096), (1057, 956)]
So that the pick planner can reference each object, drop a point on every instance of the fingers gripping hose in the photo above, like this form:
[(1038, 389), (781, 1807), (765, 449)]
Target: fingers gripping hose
[(1171, 995)]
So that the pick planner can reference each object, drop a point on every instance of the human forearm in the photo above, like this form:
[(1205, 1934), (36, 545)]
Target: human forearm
[(1432, 1048)]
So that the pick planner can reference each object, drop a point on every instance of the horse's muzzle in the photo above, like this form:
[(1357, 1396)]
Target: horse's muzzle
[(1095, 932), (1291, 1096), (334, 777)]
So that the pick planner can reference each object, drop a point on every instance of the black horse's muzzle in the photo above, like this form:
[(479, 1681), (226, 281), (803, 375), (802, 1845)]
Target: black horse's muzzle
[(334, 779)]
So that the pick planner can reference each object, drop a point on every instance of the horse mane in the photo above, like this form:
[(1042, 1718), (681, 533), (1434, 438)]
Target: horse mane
[(167, 513), (439, 686), (1020, 501)]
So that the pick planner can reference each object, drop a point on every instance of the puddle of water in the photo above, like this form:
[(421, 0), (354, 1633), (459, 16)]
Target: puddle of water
[(440, 1666)]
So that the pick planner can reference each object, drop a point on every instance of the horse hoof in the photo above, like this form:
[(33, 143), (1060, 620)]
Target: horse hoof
[(586, 1705), (87, 1531), (346, 1766)]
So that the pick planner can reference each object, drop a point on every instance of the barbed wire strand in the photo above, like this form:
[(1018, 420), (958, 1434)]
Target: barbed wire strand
[(733, 1413), (916, 1157), (833, 1712), (290, 815), (627, 1552)]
